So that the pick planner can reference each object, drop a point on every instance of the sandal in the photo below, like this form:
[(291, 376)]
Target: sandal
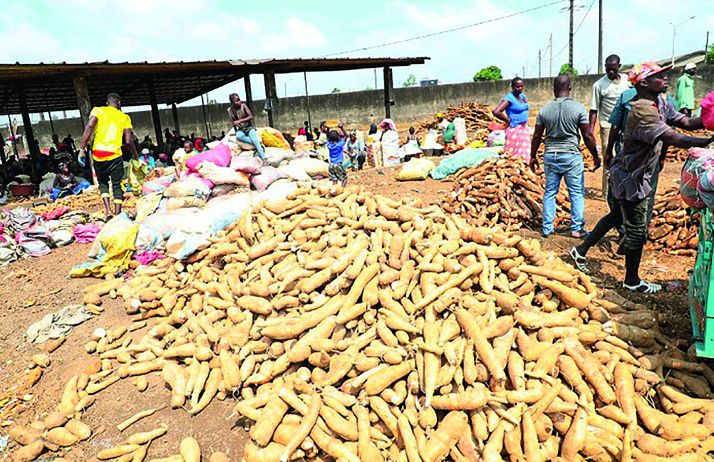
[(582, 234), (579, 260), (644, 287)]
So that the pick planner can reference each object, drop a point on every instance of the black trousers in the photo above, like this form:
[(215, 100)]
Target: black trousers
[(110, 171)]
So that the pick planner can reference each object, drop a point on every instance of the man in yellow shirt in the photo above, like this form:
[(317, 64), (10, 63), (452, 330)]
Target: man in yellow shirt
[(111, 129)]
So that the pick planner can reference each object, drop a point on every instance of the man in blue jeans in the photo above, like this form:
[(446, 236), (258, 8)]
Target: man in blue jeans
[(563, 121), (242, 120)]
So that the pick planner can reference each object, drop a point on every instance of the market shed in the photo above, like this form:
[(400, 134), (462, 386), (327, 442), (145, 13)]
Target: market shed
[(34, 88)]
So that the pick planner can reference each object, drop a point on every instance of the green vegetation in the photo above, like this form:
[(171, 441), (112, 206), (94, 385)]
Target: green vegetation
[(411, 81), (565, 69), (488, 73), (710, 55), (336, 90)]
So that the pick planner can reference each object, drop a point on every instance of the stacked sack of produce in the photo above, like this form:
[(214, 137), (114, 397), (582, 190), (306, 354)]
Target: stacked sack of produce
[(697, 179), (182, 209)]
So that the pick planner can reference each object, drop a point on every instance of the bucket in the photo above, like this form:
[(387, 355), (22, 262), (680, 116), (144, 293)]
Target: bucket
[(22, 190)]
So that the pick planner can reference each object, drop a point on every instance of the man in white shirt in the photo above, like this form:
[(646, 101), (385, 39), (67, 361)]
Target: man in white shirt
[(606, 91)]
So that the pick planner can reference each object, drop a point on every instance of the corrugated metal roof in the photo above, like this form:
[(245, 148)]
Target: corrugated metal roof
[(49, 86)]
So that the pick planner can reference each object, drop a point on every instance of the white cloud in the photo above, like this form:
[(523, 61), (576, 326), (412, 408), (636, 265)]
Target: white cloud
[(26, 44)]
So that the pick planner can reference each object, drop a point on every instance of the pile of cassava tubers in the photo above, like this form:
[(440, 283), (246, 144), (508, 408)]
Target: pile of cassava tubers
[(674, 227), (502, 191), (356, 327)]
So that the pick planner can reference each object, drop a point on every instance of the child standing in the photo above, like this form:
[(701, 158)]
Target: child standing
[(336, 150)]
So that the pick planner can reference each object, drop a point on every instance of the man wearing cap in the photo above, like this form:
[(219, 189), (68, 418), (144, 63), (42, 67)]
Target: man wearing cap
[(647, 130), (605, 93), (685, 90)]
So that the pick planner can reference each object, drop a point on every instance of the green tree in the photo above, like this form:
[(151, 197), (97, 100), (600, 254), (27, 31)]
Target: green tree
[(336, 90), (710, 55), (411, 81), (565, 69), (488, 73)]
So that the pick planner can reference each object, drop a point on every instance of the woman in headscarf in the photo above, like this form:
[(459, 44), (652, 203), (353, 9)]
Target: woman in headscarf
[(518, 133), (66, 183), (390, 143), (146, 159), (374, 153), (199, 145)]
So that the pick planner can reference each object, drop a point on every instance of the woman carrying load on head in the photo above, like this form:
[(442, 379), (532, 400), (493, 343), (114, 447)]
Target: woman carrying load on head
[(513, 110)]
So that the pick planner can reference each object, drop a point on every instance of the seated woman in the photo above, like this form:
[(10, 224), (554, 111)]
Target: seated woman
[(66, 183), (146, 159), (356, 151)]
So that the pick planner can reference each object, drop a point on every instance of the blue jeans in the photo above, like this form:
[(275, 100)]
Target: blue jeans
[(568, 166), (251, 138)]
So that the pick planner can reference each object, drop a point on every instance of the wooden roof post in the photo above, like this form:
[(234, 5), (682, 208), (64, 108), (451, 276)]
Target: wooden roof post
[(270, 95), (248, 92), (174, 113), (155, 119), (82, 94), (388, 84), (32, 145)]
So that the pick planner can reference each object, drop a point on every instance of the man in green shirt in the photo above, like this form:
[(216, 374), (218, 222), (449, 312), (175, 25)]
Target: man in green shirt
[(685, 90)]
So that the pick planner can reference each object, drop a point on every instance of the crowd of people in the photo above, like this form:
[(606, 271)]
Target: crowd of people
[(635, 125), (632, 112)]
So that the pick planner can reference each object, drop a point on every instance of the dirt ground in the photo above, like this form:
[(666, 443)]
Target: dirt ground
[(32, 288)]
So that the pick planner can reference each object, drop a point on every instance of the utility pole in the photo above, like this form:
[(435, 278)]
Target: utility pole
[(570, 34), (550, 47), (599, 38), (524, 72), (539, 76), (706, 48)]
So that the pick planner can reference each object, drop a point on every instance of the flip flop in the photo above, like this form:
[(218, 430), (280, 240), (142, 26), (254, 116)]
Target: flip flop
[(579, 260), (582, 234), (644, 287)]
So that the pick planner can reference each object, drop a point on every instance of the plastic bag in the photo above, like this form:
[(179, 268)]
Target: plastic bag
[(415, 169), (461, 159), (137, 173), (111, 251), (274, 156), (222, 175), (190, 185), (460, 127), (311, 166), (220, 156), (218, 214), (267, 176), (294, 171), (223, 189), (185, 202), (708, 111), (157, 185), (273, 138), (246, 164), (147, 240), (496, 138), (167, 222)]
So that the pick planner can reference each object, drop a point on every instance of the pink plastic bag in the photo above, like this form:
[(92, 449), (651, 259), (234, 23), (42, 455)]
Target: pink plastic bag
[(246, 164), (268, 176), (708, 111), (220, 155), (85, 234)]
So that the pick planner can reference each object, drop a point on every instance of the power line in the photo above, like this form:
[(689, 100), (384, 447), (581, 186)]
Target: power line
[(576, 29), (419, 37)]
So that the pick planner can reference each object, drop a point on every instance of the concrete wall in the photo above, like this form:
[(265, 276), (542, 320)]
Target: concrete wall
[(361, 108)]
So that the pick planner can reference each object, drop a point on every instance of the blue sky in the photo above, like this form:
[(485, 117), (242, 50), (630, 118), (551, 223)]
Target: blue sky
[(162, 30)]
